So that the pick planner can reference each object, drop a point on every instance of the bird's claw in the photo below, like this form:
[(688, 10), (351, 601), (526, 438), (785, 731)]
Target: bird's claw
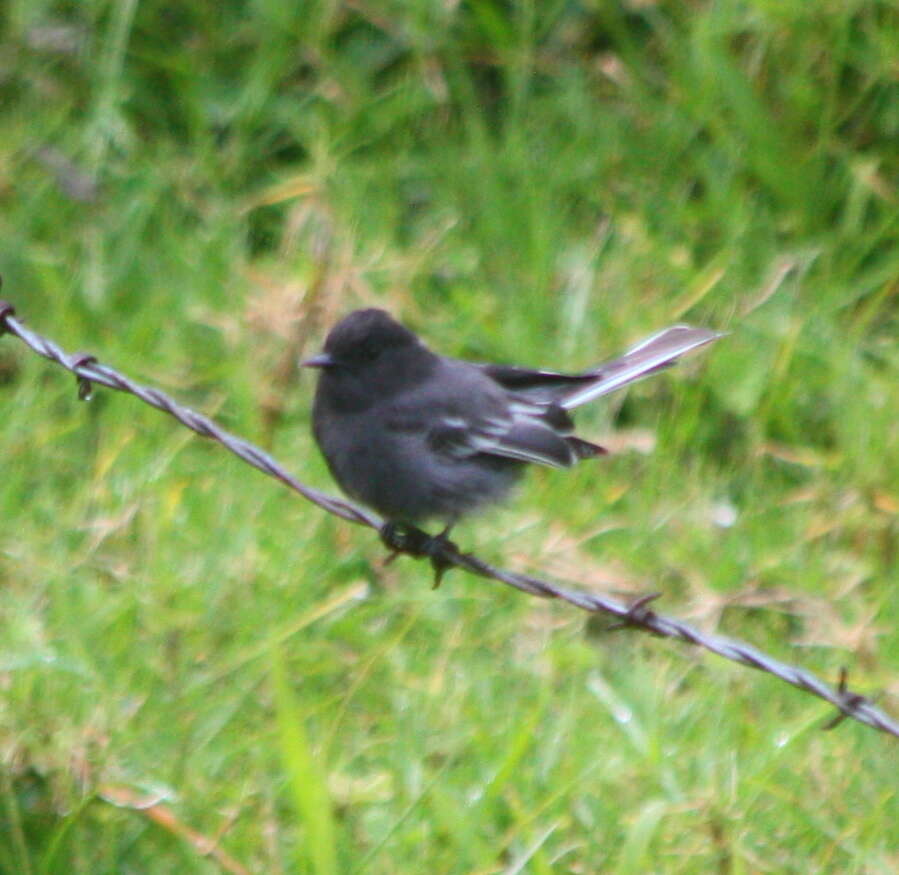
[(400, 538)]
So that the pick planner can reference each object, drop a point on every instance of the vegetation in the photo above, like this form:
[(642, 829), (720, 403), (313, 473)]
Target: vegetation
[(195, 191)]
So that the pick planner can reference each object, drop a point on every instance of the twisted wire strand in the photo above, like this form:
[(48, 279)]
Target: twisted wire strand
[(443, 554)]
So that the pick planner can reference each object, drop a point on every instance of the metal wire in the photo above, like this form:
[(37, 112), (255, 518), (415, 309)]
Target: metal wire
[(443, 553)]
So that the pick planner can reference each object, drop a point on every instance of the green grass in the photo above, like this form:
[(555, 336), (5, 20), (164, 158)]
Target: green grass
[(524, 182)]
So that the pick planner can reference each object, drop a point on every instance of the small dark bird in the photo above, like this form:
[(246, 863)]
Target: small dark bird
[(418, 436)]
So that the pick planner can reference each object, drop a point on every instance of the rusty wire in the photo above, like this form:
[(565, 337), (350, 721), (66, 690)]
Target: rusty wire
[(443, 554)]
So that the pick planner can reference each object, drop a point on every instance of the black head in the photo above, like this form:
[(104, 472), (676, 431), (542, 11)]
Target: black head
[(368, 356), (361, 339)]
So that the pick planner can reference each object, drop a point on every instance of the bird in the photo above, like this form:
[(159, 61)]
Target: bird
[(418, 437)]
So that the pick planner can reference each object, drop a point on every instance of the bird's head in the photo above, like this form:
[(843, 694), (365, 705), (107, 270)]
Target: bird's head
[(360, 339)]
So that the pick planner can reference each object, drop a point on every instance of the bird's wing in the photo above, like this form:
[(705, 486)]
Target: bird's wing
[(536, 385), (464, 414), (571, 390), (520, 436)]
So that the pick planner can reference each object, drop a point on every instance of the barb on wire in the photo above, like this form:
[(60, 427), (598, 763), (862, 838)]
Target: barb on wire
[(443, 553)]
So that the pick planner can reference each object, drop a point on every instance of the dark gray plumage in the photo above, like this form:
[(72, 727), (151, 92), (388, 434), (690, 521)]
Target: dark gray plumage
[(419, 436)]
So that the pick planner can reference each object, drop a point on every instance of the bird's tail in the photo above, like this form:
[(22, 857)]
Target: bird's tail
[(653, 354)]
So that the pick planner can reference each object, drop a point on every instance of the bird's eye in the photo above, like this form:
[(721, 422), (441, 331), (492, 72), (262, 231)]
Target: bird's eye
[(368, 350)]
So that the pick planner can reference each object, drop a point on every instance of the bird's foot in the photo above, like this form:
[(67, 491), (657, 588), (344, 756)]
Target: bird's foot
[(401, 538)]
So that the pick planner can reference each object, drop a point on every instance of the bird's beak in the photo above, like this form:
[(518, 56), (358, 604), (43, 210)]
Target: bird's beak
[(322, 360)]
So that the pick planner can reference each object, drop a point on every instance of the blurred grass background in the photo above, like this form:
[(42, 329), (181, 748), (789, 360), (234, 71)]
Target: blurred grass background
[(194, 192)]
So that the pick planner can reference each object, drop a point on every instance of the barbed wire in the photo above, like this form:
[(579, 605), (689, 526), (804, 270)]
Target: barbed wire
[(444, 554)]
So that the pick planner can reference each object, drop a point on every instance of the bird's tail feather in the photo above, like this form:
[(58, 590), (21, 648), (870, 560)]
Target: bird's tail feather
[(649, 356)]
